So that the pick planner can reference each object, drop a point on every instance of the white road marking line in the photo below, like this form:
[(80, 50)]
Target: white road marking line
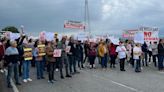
[(15, 89), (120, 84), (133, 89)]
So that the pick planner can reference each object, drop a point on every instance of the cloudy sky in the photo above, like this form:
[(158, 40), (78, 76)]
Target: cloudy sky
[(106, 16)]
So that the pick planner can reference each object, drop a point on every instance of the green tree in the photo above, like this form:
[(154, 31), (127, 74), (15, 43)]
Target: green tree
[(11, 29)]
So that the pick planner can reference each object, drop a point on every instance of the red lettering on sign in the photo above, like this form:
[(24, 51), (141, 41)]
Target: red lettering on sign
[(147, 34)]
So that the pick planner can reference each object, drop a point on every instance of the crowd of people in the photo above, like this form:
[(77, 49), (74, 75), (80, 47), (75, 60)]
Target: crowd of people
[(12, 57)]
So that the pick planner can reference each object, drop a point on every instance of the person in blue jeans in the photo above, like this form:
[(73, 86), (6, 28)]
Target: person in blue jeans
[(26, 63), (12, 57), (26, 66), (39, 61)]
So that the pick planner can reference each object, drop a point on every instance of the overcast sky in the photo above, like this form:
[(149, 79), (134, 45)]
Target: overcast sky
[(110, 16)]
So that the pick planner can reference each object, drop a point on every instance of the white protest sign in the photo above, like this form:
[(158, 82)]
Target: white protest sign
[(14, 36), (151, 36), (115, 40), (42, 36), (67, 49), (49, 36), (82, 36), (57, 53), (93, 40), (139, 37)]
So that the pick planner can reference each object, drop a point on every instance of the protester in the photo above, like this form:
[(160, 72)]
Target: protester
[(79, 54), (155, 53), (50, 62), (63, 60), (102, 50), (2, 54), (121, 50), (26, 63), (12, 58), (92, 55), (112, 54), (20, 50), (71, 56), (160, 54), (150, 52), (145, 53), (136, 56), (38, 60), (86, 51)]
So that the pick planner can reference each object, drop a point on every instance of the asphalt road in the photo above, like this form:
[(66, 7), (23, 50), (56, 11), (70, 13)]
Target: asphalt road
[(98, 80)]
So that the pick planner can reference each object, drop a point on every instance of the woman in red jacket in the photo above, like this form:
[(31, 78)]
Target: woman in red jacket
[(92, 55), (113, 54)]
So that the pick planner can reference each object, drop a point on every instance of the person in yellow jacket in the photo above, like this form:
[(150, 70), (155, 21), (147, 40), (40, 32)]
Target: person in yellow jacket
[(102, 51)]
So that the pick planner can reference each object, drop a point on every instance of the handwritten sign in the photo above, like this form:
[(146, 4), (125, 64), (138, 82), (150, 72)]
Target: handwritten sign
[(67, 49), (41, 50), (57, 53), (27, 53)]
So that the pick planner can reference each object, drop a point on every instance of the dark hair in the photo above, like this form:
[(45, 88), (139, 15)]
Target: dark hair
[(36, 43), (30, 40), (57, 40)]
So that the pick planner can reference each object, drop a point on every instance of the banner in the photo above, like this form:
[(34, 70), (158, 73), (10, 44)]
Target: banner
[(151, 36), (41, 50), (139, 37), (27, 53), (74, 25), (57, 53)]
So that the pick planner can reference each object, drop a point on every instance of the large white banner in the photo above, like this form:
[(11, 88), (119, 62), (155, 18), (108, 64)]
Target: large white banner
[(74, 25), (151, 36)]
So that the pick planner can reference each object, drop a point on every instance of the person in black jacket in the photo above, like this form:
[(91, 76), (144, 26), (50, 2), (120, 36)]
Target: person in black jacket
[(12, 58), (21, 52), (145, 51), (71, 56), (79, 54), (160, 54)]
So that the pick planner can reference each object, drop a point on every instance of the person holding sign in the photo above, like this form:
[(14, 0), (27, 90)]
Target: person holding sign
[(50, 61), (61, 45), (38, 53), (27, 60), (136, 56)]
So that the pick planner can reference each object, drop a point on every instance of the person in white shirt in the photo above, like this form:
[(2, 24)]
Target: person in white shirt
[(136, 56), (155, 53), (121, 50)]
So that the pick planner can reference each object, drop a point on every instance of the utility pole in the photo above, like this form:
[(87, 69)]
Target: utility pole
[(87, 18)]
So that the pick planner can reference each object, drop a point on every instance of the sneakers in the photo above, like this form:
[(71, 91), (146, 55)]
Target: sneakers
[(25, 81), (29, 79)]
